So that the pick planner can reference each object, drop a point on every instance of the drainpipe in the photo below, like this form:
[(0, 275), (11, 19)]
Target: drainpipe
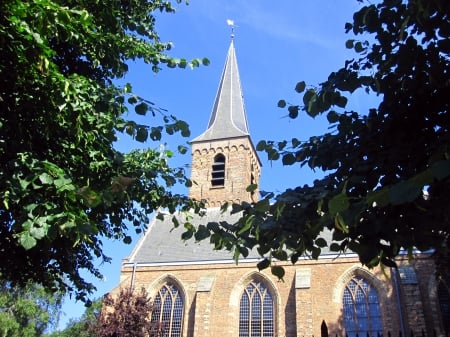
[(399, 304), (132, 277)]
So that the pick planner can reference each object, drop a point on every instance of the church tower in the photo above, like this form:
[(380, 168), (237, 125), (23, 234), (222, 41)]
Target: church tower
[(224, 160), (198, 290)]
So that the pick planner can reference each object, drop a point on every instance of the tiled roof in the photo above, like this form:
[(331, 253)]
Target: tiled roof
[(162, 243)]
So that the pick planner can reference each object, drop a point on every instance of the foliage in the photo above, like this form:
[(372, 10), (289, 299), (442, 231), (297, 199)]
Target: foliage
[(387, 182), (28, 311), (82, 327), (126, 315), (63, 187)]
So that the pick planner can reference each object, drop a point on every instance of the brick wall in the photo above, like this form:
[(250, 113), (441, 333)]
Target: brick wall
[(241, 162), (212, 295)]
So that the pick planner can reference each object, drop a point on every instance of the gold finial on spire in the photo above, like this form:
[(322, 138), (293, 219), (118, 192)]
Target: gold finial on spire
[(232, 25)]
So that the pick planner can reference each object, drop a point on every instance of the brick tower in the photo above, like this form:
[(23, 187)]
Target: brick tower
[(224, 160)]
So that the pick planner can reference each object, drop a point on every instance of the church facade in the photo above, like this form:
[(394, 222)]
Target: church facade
[(200, 292)]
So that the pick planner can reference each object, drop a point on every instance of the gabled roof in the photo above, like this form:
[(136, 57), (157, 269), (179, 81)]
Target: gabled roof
[(162, 244), (228, 118)]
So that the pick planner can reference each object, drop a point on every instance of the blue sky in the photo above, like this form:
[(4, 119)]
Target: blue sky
[(278, 43)]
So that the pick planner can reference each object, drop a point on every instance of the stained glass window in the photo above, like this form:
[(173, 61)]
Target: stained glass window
[(169, 310), (362, 313), (256, 316)]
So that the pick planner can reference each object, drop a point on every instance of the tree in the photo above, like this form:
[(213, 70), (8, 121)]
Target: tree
[(83, 326), (127, 314), (387, 169), (28, 311), (64, 187)]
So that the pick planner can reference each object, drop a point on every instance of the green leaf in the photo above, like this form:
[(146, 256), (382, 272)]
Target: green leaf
[(46, 179), (155, 133), (127, 88), (184, 127), (261, 146), (133, 100), (349, 44), (333, 117), (244, 251), (127, 240), (341, 102), (441, 169), (27, 241), (335, 247), (340, 224), (315, 252), (378, 198), (312, 107), (404, 192), (251, 188), (247, 225), (263, 264), (205, 61), (142, 134), (91, 198), (64, 184), (202, 233), (280, 255), (183, 63), (141, 108), (182, 149), (195, 63), (338, 203), (300, 86), (359, 47), (308, 96), (187, 235), (38, 232), (293, 111), (281, 103), (273, 154), (289, 159), (321, 242), (278, 271), (295, 142), (263, 205)]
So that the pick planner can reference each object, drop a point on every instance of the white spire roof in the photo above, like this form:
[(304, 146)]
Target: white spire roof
[(228, 118)]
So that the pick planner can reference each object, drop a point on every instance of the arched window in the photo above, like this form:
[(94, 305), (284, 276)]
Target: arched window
[(444, 304), (218, 171), (362, 313), (256, 312), (169, 310)]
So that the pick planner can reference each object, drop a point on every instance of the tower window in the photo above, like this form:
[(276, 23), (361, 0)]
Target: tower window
[(218, 171), (362, 315)]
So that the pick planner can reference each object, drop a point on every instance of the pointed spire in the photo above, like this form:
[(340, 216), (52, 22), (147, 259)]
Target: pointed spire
[(228, 118)]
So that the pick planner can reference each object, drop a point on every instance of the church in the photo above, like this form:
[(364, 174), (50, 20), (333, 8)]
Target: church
[(202, 292)]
